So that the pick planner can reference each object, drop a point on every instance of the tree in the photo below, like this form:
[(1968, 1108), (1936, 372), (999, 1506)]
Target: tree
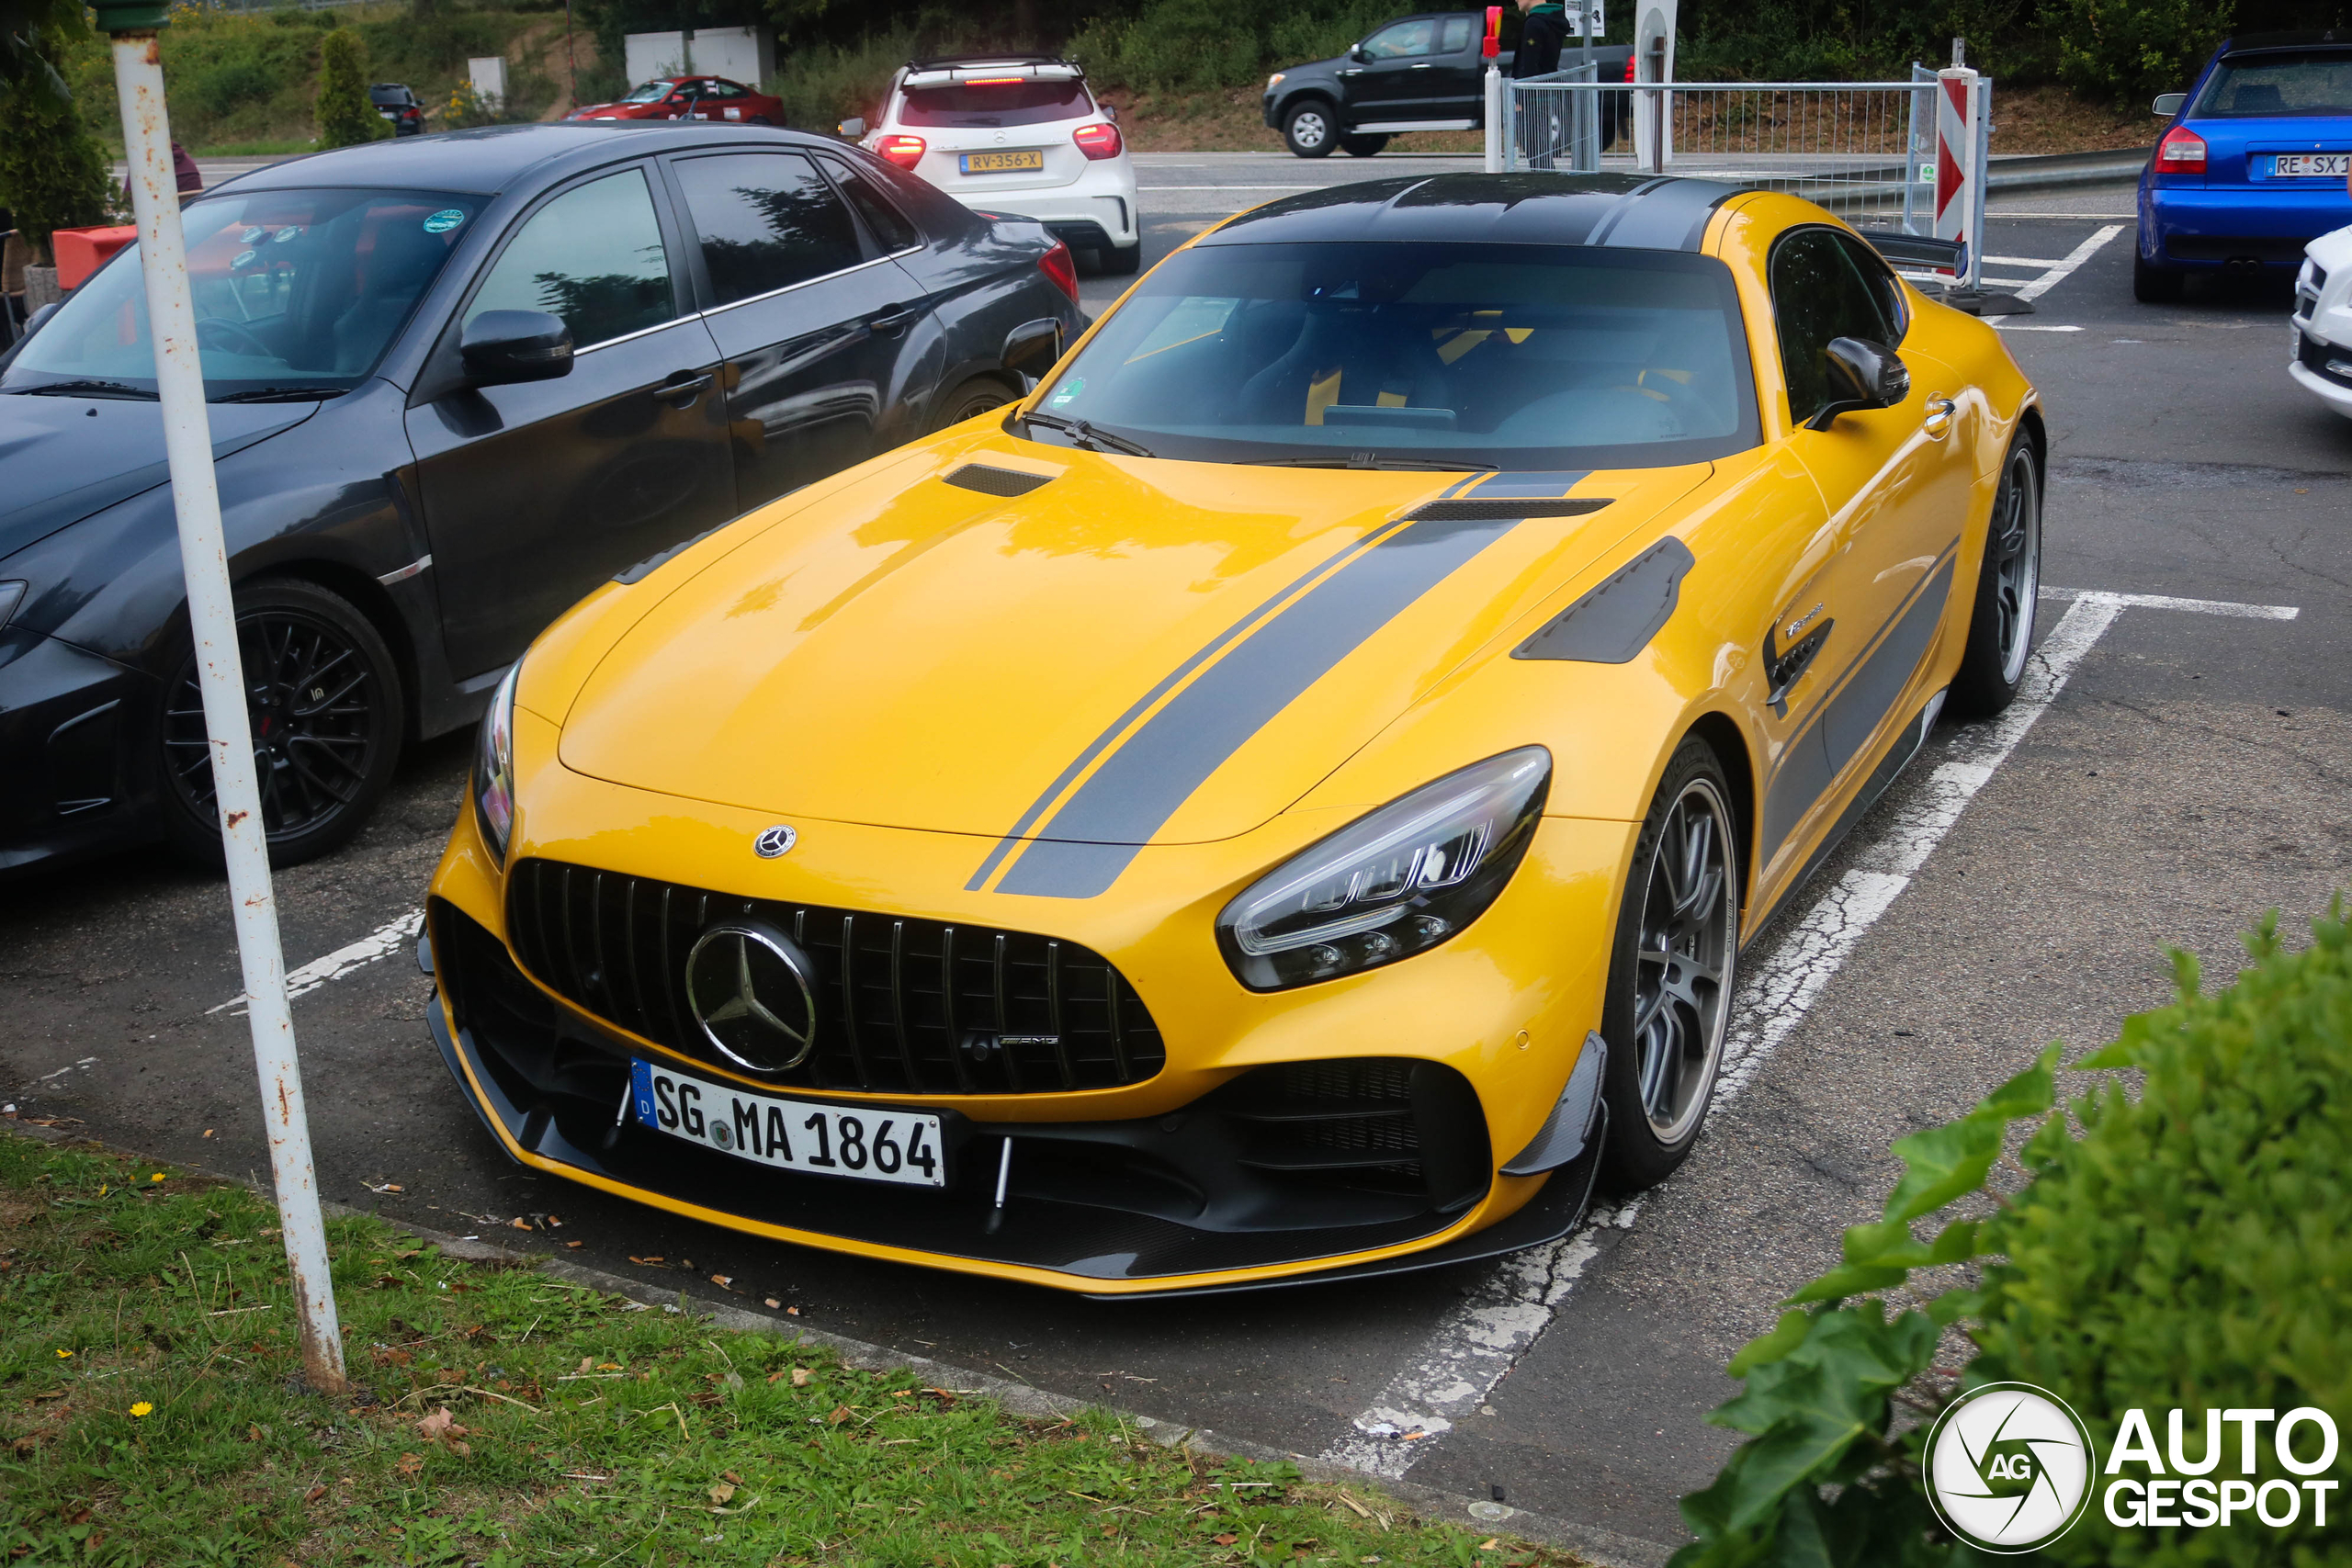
[(346, 115), (52, 172), (25, 27)]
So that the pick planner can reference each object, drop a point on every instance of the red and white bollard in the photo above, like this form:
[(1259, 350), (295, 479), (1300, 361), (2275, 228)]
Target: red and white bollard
[(1960, 107)]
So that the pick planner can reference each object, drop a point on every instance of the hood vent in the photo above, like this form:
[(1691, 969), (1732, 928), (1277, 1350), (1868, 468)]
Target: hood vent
[(1503, 509), (989, 481)]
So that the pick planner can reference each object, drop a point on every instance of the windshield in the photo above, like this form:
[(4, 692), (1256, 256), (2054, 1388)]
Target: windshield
[(1014, 100), (295, 290), (651, 92), (2255, 87), (1514, 356)]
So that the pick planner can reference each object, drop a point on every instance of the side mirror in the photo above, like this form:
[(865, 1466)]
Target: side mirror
[(1861, 376), (34, 322), (500, 347), (2168, 105), (853, 128), (1034, 347), (1110, 111), (1361, 55)]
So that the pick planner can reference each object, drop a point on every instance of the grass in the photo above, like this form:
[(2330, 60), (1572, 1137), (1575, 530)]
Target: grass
[(150, 1412)]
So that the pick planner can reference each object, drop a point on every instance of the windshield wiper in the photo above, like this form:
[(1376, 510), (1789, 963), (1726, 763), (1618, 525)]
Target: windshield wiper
[(84, 389), (278, 395), (1371, 460), (1087, 436)]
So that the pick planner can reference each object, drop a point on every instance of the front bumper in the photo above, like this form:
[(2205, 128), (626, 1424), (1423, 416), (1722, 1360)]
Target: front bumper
[(2210, 226), (66, 784), (2325, 371)]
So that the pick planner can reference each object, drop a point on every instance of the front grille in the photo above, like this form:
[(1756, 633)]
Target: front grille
[(904, 1006)]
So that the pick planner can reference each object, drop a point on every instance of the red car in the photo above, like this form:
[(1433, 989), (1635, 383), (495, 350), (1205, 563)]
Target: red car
[(690, 97)]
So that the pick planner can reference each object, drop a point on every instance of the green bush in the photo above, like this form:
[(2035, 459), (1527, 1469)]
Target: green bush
[(53, 173), (2136, 48), (1188, 46), (346, 118), (2188, 1247)]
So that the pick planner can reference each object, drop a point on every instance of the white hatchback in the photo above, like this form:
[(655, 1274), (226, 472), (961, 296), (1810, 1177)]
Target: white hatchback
[(1020, 136), (2322, 359)]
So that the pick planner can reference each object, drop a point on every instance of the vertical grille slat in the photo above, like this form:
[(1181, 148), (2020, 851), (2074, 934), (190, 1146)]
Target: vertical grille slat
[(890, 1021)]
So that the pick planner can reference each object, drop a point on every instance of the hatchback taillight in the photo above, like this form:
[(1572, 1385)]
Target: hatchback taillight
[(1097, 141), (2182, 151), (1062, 268), (904, 150)]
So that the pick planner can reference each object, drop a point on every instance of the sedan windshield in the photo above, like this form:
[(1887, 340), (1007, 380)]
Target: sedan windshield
[(297, 292), (2266, 85), (1504, 355), (651, 92)]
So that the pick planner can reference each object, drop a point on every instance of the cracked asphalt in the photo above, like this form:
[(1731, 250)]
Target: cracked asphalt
[(2191, 774)]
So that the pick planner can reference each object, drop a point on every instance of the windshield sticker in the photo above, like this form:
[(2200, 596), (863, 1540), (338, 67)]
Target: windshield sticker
[(444, 221), (1067, 391)]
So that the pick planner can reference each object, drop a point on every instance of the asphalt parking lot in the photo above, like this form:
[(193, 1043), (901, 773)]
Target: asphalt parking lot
[(2182, 762)]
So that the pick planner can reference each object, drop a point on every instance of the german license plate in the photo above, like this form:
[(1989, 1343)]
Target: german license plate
[(2311, 165), (999, 163), (865, 1143)]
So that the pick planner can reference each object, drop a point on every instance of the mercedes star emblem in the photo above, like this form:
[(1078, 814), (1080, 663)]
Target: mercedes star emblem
[(774, 841), (754, 995)]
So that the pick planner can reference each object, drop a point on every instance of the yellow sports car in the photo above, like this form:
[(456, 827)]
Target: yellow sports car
[(1284, 802)]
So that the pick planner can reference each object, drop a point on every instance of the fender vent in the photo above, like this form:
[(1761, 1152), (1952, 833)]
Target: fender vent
[(988, 481), (1503, 509)]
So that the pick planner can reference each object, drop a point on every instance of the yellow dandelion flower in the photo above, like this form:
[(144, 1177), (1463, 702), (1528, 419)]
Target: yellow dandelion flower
[(142, 1408), (157, 1176), (65, 1354)]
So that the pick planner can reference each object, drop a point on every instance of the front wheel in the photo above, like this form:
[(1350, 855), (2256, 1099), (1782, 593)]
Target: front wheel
[(1363, 146), (1671, 971), (324, 698), (1309, 132), (2008, 587)]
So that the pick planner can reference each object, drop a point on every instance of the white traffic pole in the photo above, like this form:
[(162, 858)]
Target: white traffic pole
[(188, 442)]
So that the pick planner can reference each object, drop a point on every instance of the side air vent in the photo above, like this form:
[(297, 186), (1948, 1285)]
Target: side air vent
[(1374, 1124), (1503, 509), (989, 480), (1616, 620)]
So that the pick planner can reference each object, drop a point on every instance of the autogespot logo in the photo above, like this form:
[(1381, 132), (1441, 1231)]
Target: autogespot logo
[(2009, 1467)]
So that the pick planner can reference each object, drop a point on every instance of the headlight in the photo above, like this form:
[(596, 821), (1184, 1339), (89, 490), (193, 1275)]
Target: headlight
[(1273, 81), (11, 596), (1393, 884), (493, 778)]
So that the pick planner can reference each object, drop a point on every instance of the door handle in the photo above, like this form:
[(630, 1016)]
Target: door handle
[(893, 319), (1938, 423), (683, 387), (1422, 65)]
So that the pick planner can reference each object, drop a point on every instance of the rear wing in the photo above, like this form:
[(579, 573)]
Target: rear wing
[(938, 76), (1917, 250)]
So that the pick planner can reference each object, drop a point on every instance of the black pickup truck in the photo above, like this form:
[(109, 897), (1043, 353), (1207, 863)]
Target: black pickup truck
[(1418, 73)]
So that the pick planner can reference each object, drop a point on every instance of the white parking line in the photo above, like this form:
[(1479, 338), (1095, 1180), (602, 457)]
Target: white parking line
[(2075, 258), (381, 942), (1478, 1343)]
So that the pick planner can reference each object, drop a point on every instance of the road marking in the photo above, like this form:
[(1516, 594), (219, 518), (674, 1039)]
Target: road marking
[(2075, 258), (381, 942), (1478, 1343), (2022, 261), (2078, 217), (2008, 325)]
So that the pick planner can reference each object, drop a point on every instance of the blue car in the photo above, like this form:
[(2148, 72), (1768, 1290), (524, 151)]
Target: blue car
[(2254, 164)]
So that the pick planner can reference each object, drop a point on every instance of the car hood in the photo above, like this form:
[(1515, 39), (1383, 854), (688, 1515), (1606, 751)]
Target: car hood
[(64, 458), (1134, 651)]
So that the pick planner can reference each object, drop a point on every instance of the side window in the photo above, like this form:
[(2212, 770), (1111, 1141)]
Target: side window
[(722, 90), (594, 255), (1880, 279), (1457, 35), (766, 220), (889, 225), (1818, 293), (1401, 40)]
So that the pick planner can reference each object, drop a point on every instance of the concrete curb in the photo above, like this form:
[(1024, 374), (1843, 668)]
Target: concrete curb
[(1603, 1548)]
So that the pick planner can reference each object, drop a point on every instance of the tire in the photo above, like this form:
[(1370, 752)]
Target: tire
[(2000, 623), (1119, 261), (326, 711), (2153, 285), (1363, 146), (1311, 129), (1672, 970), (974, 398)]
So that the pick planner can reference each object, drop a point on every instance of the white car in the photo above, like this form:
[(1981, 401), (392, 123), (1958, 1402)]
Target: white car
[(2322, 360), (1020, 136)]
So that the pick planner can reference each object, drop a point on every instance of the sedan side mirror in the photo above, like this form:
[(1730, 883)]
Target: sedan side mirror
[(1361, 55), (500, 347), (1862, 375), (2168, 105), (853, 128), (1034, 347)]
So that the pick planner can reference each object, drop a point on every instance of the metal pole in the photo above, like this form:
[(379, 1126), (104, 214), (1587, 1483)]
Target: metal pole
[(212, 617), (571, 61), (1495, 130)]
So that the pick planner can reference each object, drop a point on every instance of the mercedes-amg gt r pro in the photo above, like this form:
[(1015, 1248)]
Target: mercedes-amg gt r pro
[(1287, 800)]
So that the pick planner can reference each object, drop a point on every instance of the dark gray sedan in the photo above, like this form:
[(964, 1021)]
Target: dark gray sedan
[(456, 382)]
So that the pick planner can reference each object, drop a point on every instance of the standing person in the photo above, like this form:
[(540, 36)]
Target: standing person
[(1542, 30)]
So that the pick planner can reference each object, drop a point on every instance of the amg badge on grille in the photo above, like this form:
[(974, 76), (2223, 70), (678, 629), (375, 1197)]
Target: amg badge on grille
[(774, 841), (755, 996)]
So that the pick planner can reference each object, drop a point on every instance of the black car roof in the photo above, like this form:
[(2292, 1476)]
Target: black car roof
[(497, 157), (1631, 211)]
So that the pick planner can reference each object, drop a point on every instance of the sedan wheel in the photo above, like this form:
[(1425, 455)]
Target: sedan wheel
[(1671, 975), (1309, 130), (2008, 587), (324, 699)]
